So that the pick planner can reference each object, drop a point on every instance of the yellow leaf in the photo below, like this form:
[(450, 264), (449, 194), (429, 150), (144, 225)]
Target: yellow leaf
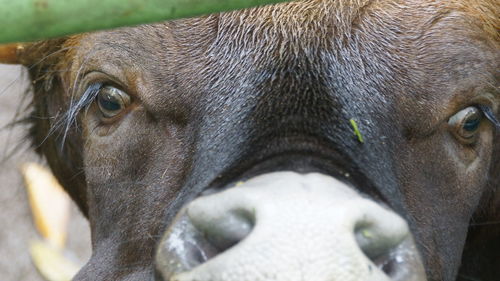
[(50, 205), (51, 263)]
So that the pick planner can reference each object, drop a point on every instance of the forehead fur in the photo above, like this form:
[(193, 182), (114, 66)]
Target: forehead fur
[(296, 19), (485, 14)]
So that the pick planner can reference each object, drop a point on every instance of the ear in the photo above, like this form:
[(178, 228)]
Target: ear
[(9, 53)]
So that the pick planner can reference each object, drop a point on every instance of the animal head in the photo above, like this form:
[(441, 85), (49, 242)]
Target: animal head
[(311, 140)]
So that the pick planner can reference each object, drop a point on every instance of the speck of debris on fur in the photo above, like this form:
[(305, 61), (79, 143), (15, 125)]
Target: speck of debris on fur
[(356, 130)]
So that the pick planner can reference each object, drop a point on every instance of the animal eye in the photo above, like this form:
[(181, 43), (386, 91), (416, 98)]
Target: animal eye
[(465, 124), (112, 101)]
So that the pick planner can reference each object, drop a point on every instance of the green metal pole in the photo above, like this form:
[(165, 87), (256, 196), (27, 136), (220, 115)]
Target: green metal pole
[(30, 20)]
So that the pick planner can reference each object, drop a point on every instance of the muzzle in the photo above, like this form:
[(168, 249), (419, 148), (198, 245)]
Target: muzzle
[(290, 227)]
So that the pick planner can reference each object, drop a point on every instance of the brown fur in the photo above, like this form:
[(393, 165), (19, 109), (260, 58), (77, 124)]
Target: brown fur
[(405, 37)]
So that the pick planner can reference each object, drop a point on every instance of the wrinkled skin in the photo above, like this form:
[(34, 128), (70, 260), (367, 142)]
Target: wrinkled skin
[(225, 97)]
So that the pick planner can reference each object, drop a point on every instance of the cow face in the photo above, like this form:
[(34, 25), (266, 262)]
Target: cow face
[(224, 147)]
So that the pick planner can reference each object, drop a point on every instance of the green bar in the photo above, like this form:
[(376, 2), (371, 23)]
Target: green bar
[(30, 20)]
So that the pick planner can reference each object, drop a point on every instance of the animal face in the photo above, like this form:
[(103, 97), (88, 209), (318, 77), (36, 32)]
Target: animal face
[(223, 147)]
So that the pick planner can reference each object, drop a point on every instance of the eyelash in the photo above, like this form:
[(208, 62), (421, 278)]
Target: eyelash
[(89, 95), (488, 113)]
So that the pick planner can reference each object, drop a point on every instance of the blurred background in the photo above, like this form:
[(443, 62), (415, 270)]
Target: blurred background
[(16, 224)]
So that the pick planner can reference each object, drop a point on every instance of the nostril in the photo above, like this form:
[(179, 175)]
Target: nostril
[(374, 242), (228, 230), (399, 262), (183, 248), (387, 265), (391, 249), (365, 239), (196, 237)]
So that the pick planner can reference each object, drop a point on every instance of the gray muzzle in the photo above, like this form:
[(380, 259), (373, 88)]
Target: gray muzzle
[(290, 227)]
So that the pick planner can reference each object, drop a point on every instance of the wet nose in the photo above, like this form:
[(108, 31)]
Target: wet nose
[(288, 226)]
